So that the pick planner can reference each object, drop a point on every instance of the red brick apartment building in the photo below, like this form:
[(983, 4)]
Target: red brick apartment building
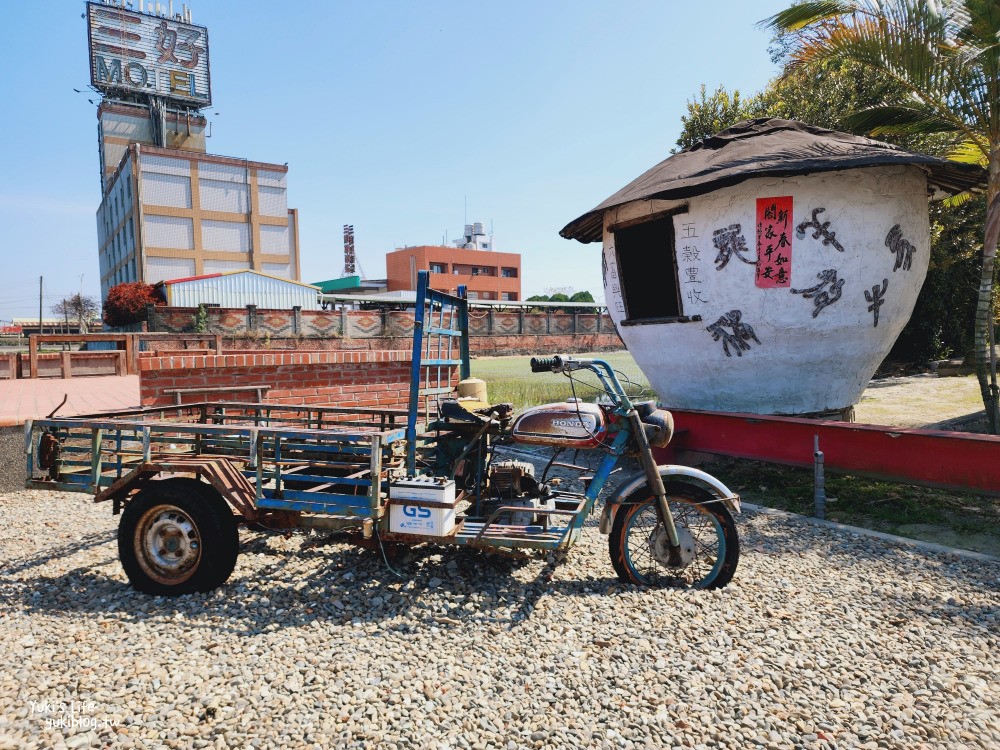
[(488, 275)]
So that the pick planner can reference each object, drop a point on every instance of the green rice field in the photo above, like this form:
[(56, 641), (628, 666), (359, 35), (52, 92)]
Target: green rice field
[(510, 380)]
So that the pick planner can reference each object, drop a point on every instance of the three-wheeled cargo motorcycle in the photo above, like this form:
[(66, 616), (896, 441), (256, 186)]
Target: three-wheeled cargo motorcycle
[(183, 478)]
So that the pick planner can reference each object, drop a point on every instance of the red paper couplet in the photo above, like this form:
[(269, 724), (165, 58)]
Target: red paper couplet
[(774, 242)]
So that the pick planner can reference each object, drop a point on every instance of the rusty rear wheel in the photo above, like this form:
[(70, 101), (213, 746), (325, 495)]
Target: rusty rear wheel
[(177, 536)]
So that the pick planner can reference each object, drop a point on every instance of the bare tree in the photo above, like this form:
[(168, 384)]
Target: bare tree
[(80, 308)]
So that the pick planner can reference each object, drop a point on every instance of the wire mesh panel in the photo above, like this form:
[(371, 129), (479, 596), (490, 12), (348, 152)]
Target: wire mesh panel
[(169, 232), (224, 187), (161, 269), (440, 344), (225, 236)]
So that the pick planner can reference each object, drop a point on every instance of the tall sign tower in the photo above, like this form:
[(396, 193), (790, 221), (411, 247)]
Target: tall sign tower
[(349, 259), (169, 209), (151, 66)]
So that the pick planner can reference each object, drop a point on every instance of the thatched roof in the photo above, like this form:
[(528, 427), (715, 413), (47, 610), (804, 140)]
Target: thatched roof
[(769, 148)]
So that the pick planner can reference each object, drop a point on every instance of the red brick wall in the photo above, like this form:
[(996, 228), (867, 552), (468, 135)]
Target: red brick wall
[(325, 378), (480, 346)]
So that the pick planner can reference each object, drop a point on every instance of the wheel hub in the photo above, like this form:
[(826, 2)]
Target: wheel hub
[(659, 547), (168, 545)]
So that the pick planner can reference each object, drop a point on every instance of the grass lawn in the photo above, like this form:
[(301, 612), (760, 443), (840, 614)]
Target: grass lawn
[(859, 501), (951, 518), (510, 380)]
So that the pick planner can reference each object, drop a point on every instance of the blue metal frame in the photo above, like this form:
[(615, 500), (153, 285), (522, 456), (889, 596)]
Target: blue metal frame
[(440, 345), (438, 320), (87, 439)]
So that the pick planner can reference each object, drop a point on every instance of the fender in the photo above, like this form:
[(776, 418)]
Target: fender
[(696, 477)]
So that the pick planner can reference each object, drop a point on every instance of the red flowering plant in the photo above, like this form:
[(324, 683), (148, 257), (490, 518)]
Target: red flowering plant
[(126, 303)]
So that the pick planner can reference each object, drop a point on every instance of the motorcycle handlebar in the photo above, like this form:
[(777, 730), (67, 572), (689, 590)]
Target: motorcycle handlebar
[(547, 364), (566, 365)]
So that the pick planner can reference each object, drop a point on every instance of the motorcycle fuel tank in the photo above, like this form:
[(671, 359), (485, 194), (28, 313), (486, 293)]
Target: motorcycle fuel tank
[(568, 424)]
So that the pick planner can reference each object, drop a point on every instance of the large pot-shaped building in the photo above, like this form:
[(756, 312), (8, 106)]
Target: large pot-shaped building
[(770, 268)]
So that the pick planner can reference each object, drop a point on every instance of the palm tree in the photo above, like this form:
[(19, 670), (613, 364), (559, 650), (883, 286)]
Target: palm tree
[(946, 55)]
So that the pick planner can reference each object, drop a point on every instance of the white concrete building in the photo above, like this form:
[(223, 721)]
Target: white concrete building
[(169, 213)]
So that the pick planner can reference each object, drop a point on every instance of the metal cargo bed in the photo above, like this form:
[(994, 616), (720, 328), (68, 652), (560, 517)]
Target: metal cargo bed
[(315, 459)]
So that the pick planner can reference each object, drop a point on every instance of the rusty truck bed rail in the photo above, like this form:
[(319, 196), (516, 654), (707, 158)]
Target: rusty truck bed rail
[(261, 457)]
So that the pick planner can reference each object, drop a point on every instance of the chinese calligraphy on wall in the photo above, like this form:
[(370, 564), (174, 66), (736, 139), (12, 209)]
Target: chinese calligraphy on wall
[(774, 242), (825, 293), (902, 249), (688, 257), (821, 229), (876, 299), (729, 241), (737, 338), (612, 284)]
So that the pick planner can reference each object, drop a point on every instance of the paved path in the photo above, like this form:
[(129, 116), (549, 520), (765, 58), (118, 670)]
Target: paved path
[(29, 398)]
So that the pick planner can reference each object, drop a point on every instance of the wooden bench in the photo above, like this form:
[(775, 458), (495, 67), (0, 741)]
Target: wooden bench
[(179, 393)]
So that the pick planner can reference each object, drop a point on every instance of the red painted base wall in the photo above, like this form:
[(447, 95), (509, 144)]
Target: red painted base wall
[(361, 378)]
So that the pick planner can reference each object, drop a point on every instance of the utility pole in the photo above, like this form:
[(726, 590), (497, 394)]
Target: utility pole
[(79, 305), (40, 304)]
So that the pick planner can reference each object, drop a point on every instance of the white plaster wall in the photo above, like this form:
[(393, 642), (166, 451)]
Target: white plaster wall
[(803, 363)]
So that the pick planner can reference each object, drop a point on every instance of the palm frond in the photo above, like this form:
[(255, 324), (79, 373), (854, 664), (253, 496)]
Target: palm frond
[(896, 120), (979, 23), (914, 43), (971, 151), (954, 201), (805, 14)]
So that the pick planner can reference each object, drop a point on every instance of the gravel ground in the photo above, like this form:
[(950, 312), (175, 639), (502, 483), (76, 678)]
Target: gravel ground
[(824, 640), (12, 459)]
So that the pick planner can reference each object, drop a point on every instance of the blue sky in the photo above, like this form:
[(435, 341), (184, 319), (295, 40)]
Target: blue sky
[(392, 116)]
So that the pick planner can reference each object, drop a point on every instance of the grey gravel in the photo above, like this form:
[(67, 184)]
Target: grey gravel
[(825, 639), (12, 459)]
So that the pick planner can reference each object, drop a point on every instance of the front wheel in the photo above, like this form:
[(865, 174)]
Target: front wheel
[(177, 536), (640, 549)]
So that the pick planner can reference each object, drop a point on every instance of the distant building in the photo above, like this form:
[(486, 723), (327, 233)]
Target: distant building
[(487, 275), (169, 209), (168, 213), (351, 285), (239, 289), (29, 326)]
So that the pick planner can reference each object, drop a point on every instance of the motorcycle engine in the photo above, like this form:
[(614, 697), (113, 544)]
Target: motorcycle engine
[(512, 483)]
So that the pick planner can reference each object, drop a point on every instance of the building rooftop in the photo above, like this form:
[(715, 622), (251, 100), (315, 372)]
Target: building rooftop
[(350, 285), (768, 148), (168, 282)]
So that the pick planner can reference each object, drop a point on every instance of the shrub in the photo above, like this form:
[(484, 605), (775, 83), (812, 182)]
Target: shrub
[(126, 303)]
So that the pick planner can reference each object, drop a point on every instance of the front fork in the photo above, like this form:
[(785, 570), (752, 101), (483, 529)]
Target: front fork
[(655, 483)]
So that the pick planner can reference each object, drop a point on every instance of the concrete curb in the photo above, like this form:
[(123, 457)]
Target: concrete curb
[(921, 545)]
